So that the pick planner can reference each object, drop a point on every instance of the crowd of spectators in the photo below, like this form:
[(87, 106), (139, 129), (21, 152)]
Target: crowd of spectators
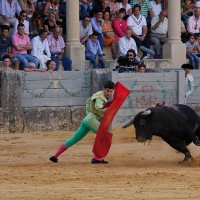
[(33, 31)]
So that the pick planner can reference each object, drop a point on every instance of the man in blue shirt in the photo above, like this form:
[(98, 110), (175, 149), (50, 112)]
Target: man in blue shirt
[(5, 46), (93, 51)]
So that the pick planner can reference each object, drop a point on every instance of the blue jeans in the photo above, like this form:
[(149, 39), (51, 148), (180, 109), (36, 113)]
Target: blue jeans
[(194, 60), (94, 62), (66, 62), (84, 9), (25, 59)]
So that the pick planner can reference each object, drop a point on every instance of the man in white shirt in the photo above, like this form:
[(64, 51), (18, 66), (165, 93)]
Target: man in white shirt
[(159, 29), (40, 48), (138, 24), (85, 29), (193, 24), (127, 42), (156, 7)]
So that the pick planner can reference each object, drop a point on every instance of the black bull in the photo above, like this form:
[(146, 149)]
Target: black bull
[(178, 125)]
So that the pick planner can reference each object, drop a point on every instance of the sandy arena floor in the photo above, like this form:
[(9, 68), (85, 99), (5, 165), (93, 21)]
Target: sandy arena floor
[(135, 171)]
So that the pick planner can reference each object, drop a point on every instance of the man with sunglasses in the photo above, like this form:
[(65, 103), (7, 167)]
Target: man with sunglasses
[(85, 29)]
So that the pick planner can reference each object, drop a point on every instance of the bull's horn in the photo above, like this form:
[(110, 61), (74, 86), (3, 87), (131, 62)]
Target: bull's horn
[(146, 112), (128, 124)]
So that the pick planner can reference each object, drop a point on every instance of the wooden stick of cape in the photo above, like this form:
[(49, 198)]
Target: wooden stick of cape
[(103, 139)]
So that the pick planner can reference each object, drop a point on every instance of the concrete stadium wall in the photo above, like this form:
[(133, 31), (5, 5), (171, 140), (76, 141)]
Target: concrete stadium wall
[(53, 102)]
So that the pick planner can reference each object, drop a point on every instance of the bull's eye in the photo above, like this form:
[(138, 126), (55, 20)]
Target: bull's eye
[(142, 122)]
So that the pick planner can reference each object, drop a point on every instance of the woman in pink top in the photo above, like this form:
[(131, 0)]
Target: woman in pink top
[(119, 24)]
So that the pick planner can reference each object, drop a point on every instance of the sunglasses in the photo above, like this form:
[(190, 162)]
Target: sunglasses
[(86, 20), (130, 55), (24, 15)]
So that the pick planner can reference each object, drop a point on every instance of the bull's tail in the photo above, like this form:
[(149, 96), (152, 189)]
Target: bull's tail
[(128, 124)]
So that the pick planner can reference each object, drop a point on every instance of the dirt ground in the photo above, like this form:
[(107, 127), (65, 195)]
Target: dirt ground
[(135, 171)]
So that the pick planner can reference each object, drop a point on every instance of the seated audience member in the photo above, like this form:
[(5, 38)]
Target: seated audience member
[(85, 29), (31, 68), (159, 29), (132, 60), (122, 65), (62, 14), (22, 19), (187, 10), (156, 7), (40, 48), (93, 52), (183, 33), (114, 8), (97, 22), (51, 66), (35, 25), (109, 38), (191, 51), (124, 4), (193, 25), (52, 6), (86, 5), (40, 5), (138, 24), (27, 6), (50, 23), (6, 63), (56, 45), (126, 43), (141, 68), (119, 24), (102, 5), (9, 9), (21, 44), (6, 47)]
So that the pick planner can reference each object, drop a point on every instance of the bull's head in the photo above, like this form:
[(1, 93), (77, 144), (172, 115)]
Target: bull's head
[(142, 124)]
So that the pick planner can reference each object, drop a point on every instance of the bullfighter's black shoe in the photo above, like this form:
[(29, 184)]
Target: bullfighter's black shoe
[(53, 159), (197, 142), (94, 161)]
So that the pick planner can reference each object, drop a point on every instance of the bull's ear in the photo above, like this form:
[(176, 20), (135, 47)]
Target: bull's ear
[(147, 112)]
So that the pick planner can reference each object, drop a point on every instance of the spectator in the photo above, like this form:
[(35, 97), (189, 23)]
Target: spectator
[(132, 60), (156, 7), (21, 43), (197, 4), (51, 66), (6, 47), (62, 14), (119, 24), (35, 25), (50, 23), (145, 7), (52, 6), (187, 10), (127, 42), (159, 29), (193, 25), (191, 51), (40, 48), (102, 5), (138, 24), (141, 68), (21, 19), (32, 68), (97, 22), (183, 33), (86, 5), (27, 6), (114, 8), (109, 38), (85, 29), (6, 63), (189, 80), (124, 4), (9, 8), (57, 44), (93, 52)]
